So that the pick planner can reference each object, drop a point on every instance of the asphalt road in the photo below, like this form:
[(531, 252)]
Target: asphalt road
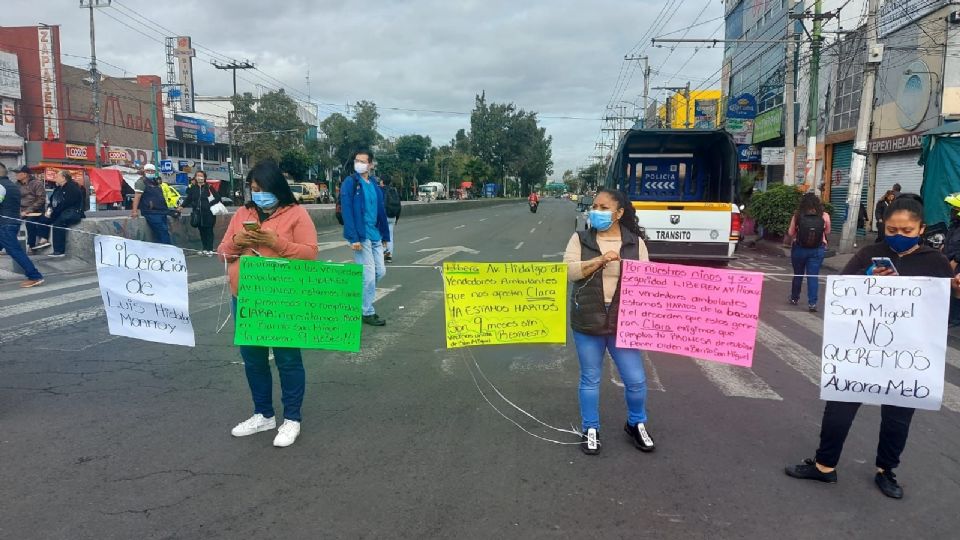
[(106, 437)]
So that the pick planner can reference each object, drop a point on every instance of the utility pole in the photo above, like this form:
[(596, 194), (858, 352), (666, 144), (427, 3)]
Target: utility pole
[(234, 66), (646, 82), (95, 74), (864, 121), (789, 97), (813, 106)]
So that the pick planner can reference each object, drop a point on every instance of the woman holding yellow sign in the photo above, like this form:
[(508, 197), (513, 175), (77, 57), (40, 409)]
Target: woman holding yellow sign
[(271, 225), (593, 259)]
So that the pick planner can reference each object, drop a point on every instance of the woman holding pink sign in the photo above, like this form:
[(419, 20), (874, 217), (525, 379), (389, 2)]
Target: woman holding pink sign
[(593, 260)]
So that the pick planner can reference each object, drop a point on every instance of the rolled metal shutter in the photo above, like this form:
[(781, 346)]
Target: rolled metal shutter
[(840, 181), (899, 168)]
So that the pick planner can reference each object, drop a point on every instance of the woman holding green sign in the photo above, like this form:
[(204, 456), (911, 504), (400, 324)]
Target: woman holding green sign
[(272, 224), (593, 260)]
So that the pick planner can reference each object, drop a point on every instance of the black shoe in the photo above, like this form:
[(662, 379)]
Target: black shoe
[(388, 257), (887, 482), (374, 320), (794, 301), (641, 439), (591, 442), (812, 308), (808, 471)]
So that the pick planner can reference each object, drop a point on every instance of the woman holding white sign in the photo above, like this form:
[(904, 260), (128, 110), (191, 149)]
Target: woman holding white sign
[(900, 254), (593, 259), (271, 225)]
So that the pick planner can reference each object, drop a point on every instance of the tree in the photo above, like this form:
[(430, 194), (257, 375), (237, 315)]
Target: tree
[(296, 162), (269, 126), (343, 136)]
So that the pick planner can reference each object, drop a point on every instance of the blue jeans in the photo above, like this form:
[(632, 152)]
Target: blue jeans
[(371, 257), (158, 224), (629, 363), (391, 222), (10, 244), (806, 261), (293, 380)]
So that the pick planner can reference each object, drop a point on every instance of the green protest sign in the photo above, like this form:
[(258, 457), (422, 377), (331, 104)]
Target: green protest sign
[(299, 304)]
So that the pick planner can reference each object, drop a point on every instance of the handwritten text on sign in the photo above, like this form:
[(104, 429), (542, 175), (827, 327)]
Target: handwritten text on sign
[(703, 313), (885, 340), (500, 303), (144, 290), (299, 304)]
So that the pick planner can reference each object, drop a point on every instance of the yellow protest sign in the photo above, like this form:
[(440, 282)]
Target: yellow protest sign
[(501, 303)]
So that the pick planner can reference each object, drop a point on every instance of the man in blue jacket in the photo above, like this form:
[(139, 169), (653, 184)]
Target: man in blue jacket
[(365, 227)]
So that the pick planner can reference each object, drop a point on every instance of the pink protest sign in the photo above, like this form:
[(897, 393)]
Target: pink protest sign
[(703, 313)]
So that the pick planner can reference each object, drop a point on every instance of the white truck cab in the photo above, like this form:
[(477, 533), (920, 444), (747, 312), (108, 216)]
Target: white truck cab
[(684, 185)]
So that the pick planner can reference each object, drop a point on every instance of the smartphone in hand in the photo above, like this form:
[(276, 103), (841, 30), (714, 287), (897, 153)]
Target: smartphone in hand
[(251, 225), (884, 262)]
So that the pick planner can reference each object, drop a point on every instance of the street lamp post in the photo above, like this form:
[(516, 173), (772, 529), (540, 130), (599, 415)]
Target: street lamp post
[(95, 74)]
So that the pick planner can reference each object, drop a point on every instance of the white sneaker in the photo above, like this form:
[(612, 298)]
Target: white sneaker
[(254, 424), (287, 434)]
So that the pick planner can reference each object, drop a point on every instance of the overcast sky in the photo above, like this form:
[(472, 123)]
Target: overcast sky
[(557, 57)]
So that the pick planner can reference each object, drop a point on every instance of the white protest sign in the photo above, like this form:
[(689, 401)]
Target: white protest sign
[(885, 340), (144, 289)]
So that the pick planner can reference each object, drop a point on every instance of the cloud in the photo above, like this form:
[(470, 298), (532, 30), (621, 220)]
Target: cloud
[(556, 57)]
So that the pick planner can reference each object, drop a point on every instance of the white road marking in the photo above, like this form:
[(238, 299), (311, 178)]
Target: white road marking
[(794, 355), (378, 341), (483, 219), (54, 301), (734, 381), (540, 222), (532, 230), (384, 291), (50, 285), (442, 253), (332, 245), (520, 245), (420, 240), (554, 255), (459, 226), (46, 325)]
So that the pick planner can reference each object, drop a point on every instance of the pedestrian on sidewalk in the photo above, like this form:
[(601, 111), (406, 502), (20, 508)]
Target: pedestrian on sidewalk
[(903, 245), (880, 209), (809, 228), (200, 197), (10, 227), (271, 225), (33, 201), (593, 265), (393, 209), (365, 228), (149, 200), (64, 211)]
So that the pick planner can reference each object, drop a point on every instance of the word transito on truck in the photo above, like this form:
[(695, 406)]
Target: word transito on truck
[(684, 184)]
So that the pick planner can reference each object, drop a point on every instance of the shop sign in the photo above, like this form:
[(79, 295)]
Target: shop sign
[(767, 125), (900, 143), (75, 151), (48, 84), (773, 155)]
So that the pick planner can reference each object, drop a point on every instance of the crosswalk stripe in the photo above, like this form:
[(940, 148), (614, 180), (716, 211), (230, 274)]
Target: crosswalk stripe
[(735, 381), (794, 355), (815, 325), (951, 392), (48, 287), (384, 291), (62, 320)]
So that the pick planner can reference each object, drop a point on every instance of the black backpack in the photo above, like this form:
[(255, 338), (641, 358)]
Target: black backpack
[(393, 202), (810, 229)]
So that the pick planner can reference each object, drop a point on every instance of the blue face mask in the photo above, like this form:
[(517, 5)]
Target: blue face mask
[(264, 199), (601, 220), (901, 243)]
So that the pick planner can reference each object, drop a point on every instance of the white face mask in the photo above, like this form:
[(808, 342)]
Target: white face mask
[(361, 168)]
